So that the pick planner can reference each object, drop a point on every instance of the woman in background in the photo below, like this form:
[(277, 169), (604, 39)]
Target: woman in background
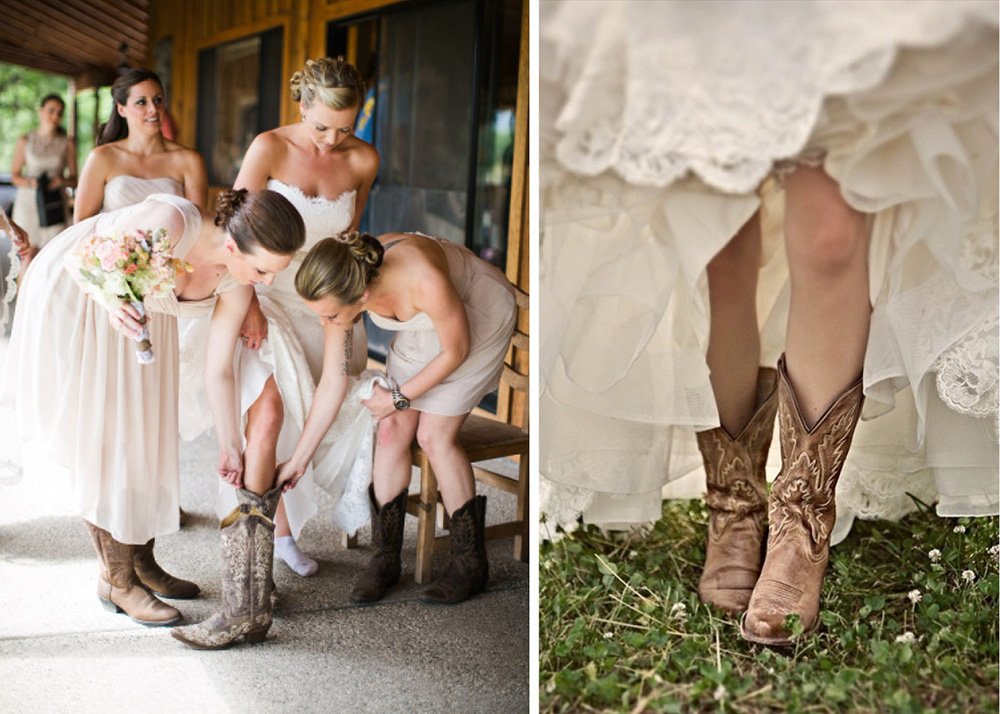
[(44, 151)]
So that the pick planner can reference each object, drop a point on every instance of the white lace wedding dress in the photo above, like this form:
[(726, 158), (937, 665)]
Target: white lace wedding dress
[(660, 123), (293, 353)]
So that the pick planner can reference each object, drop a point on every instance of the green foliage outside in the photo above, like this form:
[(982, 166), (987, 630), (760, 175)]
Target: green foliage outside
[(22, 88), (909, 624)]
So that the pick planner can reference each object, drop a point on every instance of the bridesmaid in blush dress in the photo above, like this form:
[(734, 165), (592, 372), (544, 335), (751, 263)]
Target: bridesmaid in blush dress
[(86, 409)]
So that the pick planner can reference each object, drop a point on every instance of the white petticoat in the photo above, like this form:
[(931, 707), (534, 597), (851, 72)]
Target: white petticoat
[(655, 137)]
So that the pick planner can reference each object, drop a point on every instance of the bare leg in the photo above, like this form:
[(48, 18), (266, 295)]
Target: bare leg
[(437, 436), (264, 421), (828, 324), (830, 311), (734, 341), (391, 468)]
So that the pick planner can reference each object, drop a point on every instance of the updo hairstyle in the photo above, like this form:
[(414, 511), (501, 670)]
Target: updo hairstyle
[(341, 266), (264, 219), (335, 82)]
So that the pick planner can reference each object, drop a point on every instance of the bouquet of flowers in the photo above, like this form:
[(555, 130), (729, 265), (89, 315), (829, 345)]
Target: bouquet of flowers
[(129, 267)]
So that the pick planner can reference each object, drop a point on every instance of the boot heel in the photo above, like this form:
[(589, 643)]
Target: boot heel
[(109, 606), (254, 636)]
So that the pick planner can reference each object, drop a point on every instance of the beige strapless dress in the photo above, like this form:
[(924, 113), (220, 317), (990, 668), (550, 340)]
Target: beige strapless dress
[(85, 408), (488, 299)]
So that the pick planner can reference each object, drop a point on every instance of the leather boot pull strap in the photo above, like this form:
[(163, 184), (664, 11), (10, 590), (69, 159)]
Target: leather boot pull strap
[(244, 511)]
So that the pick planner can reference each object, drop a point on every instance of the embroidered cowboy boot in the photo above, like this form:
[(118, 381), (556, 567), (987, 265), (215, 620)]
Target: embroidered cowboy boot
[(468, 570), (248, 557), (802, 511), (737, 502), (118, 586), (157, 579), (387, 537)]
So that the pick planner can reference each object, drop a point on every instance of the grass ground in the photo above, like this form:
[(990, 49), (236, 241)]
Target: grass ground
[(909, 624)]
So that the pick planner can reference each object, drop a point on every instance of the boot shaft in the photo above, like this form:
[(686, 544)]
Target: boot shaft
[(248, 554), (734, 466), (388, 521), (803, 497)]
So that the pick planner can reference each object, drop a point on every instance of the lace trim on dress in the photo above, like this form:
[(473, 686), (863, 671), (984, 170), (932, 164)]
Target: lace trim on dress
[(8, 287), (652, 126)]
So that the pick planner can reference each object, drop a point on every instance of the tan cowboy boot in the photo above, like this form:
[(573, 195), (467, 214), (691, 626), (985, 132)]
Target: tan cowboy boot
[(468, 570), (119, 588), (248, 557), (737, 502), (387, 537), (802, 511), (157, 579)]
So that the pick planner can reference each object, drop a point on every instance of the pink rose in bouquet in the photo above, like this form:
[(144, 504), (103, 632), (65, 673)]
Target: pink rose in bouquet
[(129, 267)]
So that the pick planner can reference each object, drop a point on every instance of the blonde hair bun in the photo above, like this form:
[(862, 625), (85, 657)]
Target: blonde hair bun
[(335, 82)]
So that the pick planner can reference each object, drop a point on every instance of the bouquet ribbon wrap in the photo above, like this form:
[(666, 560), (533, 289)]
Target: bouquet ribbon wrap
[(144, 350)]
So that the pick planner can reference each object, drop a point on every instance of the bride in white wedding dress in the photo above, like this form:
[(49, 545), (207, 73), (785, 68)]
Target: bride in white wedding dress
[(326, 173), (826, 187)]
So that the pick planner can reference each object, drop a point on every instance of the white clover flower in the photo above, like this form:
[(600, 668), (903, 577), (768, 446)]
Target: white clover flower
[(720, 693), (934, 555), (968, 576), (959, 529), (994, 552), (906, 637), (633, 554), (915, 596), (608, 635), (679, 611)]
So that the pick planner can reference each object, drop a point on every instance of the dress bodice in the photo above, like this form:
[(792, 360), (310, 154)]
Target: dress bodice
[(45, 156), (464, 267), (323, 217), (420, 321), (124, 190)]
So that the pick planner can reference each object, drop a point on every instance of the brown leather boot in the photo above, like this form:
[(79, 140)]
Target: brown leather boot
[(248, 557), (802, 511), (387, 537), (469, 570), (157, 579), (119, 588), (737, 502)]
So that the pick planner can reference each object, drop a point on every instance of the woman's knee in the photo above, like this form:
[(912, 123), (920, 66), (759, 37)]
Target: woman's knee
[(266, 416), (394, 433), (830, 245), (824, 235), (434, 442)]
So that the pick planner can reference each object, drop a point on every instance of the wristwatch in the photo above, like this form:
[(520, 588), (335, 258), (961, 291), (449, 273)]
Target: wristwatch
[(399, 399)]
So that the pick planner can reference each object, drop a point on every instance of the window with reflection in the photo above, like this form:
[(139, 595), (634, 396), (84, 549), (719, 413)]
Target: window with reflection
[(239, 96)]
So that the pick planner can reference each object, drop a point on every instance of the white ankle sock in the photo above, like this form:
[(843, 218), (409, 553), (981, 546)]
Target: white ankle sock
[(286, 549)]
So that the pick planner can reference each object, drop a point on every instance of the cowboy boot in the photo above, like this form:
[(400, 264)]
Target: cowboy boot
[(468, 570), (119, 588), (387, 537), (737, 502), (103, 586), (802, 511), (157, 579), (248, 556)]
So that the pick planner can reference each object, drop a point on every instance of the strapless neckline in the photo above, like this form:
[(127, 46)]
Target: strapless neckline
[(299, 193), (141, 178)]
